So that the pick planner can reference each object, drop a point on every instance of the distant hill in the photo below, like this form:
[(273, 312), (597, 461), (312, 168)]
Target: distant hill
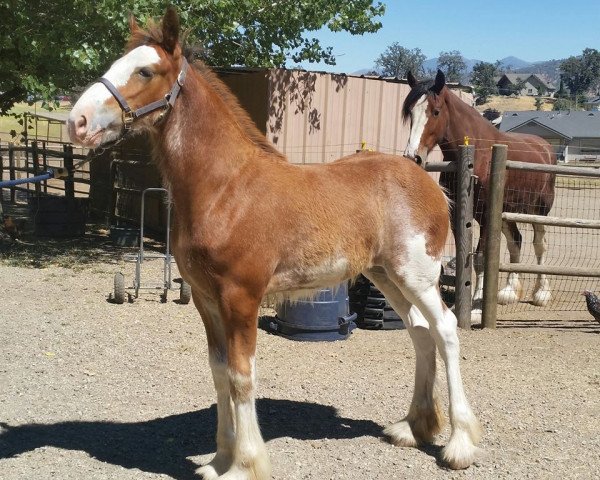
[(549, 68)]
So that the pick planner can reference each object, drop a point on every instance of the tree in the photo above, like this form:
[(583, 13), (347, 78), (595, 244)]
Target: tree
[(483, 80), (397, 61), (516, 87), (452, 64), (49, 47), (582, 73), (539, 103)]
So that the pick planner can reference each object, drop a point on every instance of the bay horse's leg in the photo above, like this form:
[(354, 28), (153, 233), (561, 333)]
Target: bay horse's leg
[(513, 291), (239, 314), (217, 357), (424, 419), (541, 290), (476, 311)]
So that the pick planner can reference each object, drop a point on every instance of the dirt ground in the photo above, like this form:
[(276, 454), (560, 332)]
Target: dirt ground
[(94, 390)]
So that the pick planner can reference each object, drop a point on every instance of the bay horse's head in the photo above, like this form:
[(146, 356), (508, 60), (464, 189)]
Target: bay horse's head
[(137, 90), (428, 116)]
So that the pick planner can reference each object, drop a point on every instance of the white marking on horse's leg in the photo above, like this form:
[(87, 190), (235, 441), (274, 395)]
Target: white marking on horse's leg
[(250, 458), (476, 311), (424, 419), (419, 286), (225, 423), (541, 290), (460, 451), (513, 291), (418, 121)]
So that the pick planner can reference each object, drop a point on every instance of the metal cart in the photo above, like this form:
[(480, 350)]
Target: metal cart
[(120, 292)]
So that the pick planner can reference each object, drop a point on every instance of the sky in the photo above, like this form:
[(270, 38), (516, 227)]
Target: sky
[(483, 30)]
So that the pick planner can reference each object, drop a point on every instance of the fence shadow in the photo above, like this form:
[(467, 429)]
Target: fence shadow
[(162, 445)]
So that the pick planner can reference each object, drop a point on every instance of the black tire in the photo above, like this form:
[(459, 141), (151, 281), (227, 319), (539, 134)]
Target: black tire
[(119, 297), (185, 293)]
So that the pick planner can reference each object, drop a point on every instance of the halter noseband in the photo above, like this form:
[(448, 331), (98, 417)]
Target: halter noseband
[(166, 103)]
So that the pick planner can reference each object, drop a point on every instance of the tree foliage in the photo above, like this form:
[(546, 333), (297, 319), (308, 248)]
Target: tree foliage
[(582, 73), (452, 64), (483, 80), (397, 61), (48, 47)]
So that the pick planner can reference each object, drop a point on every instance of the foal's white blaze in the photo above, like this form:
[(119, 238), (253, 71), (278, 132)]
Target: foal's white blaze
[(92, 104), (418, 116)]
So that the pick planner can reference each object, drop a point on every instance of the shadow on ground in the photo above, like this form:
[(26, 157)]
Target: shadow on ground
[(162, 445)]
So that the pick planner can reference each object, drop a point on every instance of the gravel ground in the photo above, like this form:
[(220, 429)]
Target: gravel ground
[(94, 390)]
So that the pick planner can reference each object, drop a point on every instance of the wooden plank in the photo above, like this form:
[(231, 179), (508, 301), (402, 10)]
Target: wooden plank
[(550, 270), (495, 199), (533, 167), (553, 221), (463, 232)]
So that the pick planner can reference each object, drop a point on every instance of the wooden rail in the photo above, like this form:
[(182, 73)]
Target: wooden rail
[(551, 221)]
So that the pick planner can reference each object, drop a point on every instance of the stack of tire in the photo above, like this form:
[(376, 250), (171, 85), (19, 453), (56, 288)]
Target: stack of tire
[(372, 309)]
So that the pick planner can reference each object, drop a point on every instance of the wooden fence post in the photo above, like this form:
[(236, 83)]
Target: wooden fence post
[(11, 169), (495, 200), (463, 232), (69, 183), (36, 167)]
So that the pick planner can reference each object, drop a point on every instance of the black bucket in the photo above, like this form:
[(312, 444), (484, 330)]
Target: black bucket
[(326, 318)]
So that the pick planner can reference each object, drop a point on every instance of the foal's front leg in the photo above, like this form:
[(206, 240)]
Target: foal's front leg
[(239, 312)]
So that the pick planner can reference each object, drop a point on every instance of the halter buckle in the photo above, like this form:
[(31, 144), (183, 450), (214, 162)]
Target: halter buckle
[(128, 118)]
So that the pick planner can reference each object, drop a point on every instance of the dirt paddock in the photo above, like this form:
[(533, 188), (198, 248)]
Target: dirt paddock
[(94, 390)]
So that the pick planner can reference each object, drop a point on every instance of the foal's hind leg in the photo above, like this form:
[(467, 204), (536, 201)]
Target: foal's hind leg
[(424, 419), (541, 290), (513, 291), (417, 279)]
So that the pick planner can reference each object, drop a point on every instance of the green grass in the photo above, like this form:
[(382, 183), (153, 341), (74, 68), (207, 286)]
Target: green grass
[(8, 123)]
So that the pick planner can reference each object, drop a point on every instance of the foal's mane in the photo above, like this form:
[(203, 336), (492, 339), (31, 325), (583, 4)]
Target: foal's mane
[(153, 35)]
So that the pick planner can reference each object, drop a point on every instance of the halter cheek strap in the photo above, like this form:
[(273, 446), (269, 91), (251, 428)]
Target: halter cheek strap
[(129, 115)]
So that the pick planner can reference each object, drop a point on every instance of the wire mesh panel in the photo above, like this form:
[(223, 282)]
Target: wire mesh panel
[(575, 197)]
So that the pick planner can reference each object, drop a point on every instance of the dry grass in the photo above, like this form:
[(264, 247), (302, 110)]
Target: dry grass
[(503, 103)]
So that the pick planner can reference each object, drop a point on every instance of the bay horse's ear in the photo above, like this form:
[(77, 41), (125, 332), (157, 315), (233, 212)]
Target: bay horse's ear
[(440, 81), (412, 81), (170, 30)]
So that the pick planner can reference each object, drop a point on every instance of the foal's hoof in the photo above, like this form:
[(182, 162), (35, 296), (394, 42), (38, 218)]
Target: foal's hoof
[(460, 453), (508, 296)]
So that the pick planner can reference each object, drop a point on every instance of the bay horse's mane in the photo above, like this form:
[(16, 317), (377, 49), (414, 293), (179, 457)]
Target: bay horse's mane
[(153, 35), (420, 89)]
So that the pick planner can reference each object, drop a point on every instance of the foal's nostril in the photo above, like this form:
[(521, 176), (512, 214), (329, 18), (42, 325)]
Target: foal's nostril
[(81, 126), (418, 160)]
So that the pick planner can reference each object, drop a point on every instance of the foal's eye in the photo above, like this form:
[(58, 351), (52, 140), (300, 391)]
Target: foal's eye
[(145, 73), (436, 113)]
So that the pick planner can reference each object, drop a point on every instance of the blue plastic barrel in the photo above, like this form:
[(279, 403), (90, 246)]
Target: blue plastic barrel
[(326, 317)]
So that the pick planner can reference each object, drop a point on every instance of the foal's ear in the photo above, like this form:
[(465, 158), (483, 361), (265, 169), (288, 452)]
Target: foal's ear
[(133, 25), (412, 81), (440, 81), (170, 30)]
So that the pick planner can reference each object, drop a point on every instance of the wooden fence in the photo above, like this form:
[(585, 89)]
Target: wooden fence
[(495, 199), (36, 157)]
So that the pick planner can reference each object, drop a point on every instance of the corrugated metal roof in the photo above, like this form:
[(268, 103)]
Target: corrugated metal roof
[(568, 123)]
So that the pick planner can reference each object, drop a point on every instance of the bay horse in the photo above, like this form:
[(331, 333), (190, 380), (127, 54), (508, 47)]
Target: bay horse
[(438, 117), (249, 224)]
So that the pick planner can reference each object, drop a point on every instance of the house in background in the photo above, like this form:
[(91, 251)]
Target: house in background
[(592, 104), (574, 134), (535, 84)]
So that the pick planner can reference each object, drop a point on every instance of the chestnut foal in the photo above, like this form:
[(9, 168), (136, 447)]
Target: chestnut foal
[(250, 224)]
